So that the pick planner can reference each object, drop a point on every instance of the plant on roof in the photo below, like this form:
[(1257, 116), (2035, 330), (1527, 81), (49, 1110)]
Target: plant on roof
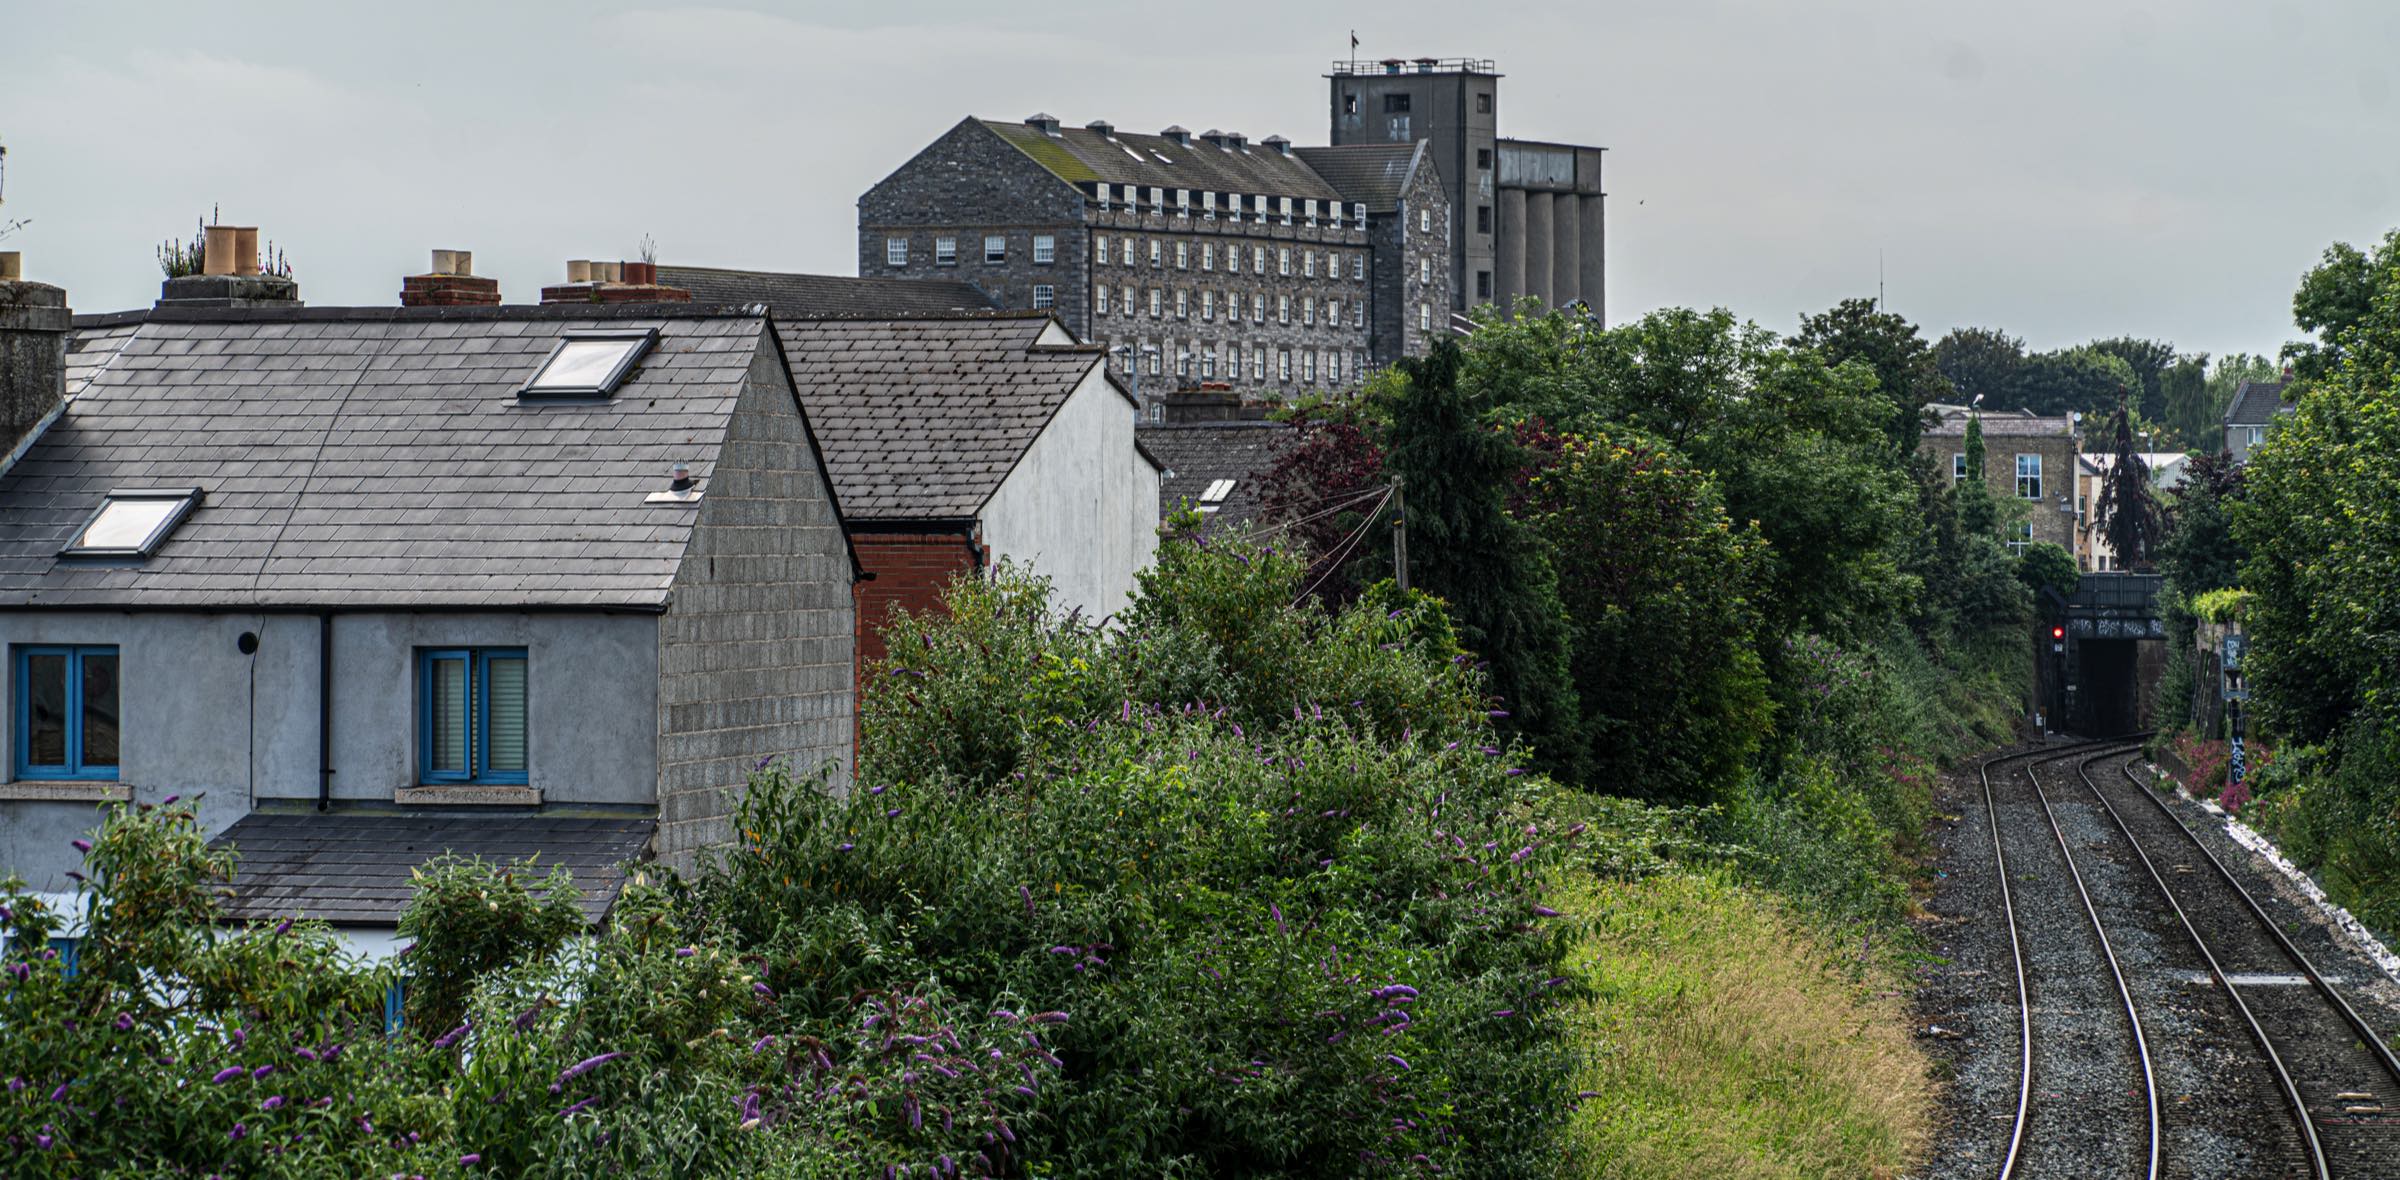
[(178, 260)]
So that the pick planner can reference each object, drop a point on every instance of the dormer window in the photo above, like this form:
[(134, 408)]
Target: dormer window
[(132, 522), (589, 362)]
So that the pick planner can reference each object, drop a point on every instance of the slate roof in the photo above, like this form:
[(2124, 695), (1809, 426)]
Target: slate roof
[(91, 348), (353, 869), (819, 296), (1079, 155), (1374, 174), (1198, 454), (1997, 424), (921, 419), (2255, 403), (375, 457)]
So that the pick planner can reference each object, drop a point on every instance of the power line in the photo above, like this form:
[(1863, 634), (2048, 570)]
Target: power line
[(1341, 552)]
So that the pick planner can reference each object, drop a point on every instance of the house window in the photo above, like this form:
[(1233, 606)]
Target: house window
[(1358, 267), (2258, 434), (1154, 253), (1258, 309), (995, 248), (1958, 468), (1158, 199), (2029, 477), (2020, 536), (1483, 284), (1483, 219), (1333, 368), (1128, 252), (1100, 248), (1208, 306), (1283, 260), (1308, 263), (1333, 313), (1183, 362), (1349, 104), (1425, 220), (1308, 312), (895, 251), (1155, 300), (1183, 304), (67, 712), (1208, 363), (1044, 295), (1308, 367), (1287, 209), (1358, 314), (1183, 202), (1045, 249), (1258, 260), (1283, 309), (1183, 256), (1483, 158), (1100, 301), (1424, 270), (1308, 212), (1483, 104), (1283, 364), (589, 362), (1424, 317), (1395, 104), (1258, 362), (1208, 206), (1362, 216), (945, 251), (1233, 363), (471, 715), (1156, 360), (132, 522), (1128, 300), (1208, 256)]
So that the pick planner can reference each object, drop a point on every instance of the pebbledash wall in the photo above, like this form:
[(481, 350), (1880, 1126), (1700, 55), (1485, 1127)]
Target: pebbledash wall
[(1070, 494)]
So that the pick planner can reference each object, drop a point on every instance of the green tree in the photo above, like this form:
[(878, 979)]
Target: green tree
[(2150, 360), (2082, 380), (1981, 362), (2127, 513), (1905, 369), (2346, 300), (1464, 547)]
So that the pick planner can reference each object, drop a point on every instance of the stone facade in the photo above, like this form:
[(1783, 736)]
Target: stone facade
[(1412, 296), (2028, 462), (755, 648), (1302, 283), (33, 357)]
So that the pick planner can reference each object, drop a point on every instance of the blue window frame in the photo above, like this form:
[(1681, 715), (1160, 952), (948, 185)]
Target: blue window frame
[(67, 712), (471, 715)]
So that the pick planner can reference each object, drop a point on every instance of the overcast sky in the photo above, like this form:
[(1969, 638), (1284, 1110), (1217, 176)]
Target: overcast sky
[(2060, 170)]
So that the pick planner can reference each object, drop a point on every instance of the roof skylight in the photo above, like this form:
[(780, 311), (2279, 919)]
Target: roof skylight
[(132, 522), (589, 362), (1216, 491)]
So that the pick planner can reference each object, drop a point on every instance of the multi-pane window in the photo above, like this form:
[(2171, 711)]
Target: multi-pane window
[(1424, 270), (2020, 536), (1283, 260), (1425, 219), (1333, 367), (1099, 301), (1308, 312), (1155, 299), (1183, 304), (1362, 215), (1424, 317), (1308, 212), (1258, 309), (1283, 364), (1308, 263), (1155, 361), (68, 712), (1154, 253), (1045, 249), (1100, 248), (1958, 468), (945, 251), (1128, 256), (1208, 256), (1258, 260), (1283, 309), (1183, 202), (1258, 362), (1483, 219), (1287, 210), (1333, 313), (895, 251), (1308, 367), (1183, 256), (1208, 305), (1127, 304), (471, 715), (1233, 363), (1183, 362), (1208, 364), (2029, 477), (995, 248), (1044, 295), (1358, 267), (1158, 199), (1208, 206)]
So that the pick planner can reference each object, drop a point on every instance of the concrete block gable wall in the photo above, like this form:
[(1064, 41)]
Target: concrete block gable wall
[(755, 648)]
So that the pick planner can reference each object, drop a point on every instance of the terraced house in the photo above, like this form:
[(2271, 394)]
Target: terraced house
[(1190, 258)]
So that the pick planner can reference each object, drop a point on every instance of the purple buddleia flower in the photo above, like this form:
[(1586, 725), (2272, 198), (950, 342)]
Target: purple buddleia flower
[(892, 814), (760, 1045), (577, 1109), (44, 1140), (81, 844), (262, 1071), (16, 1085), (845, 846), (124, 1022), (1396, 1059), (229, 1073), (879, 788), (1049, 1018), (525, 1019), (443, 1041), (470, 1159), (1543, 911), (1277, 910), (239, 1130), (1026, 893), (60, 1094), (1504, 1012), (311, 1054), (685, 952), (763, 990), (169, 801), (583, 1067), (273, 1101)]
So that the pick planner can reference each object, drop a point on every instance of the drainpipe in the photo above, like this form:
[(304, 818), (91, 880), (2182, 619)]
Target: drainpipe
[(325, 711)]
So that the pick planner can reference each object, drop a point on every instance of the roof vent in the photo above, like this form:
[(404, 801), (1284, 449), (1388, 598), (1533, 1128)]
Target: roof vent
[(1235, 140), (1102, 126), (1213, 136), (1177, 134), (1277, 144), (1046, 124)]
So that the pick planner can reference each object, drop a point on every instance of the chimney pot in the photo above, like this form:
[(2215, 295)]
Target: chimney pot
[(579, 270), (12, 265), (217, 250), (445, 262), (465, 260), (245, 249), (608, 272)]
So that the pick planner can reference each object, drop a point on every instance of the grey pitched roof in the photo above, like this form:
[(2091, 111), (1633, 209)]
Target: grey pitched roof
[(2256, 403), (921, 419), (353, 869), (818, 296), (1198, 454), (1079, 155), (377, 456), (1374, 174), (95, 342)]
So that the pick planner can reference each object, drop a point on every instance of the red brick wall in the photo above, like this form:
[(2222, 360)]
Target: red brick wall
[(910, 570)]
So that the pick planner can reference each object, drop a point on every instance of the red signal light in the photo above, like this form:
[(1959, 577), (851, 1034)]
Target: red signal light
[(2058, 633)]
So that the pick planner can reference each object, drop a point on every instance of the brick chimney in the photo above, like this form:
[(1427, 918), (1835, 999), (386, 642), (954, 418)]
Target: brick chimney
[(451, 282), (34, 321), (229, 275), (613, 282)]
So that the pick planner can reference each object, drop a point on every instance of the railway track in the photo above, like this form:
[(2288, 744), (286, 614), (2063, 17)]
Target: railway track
[(2088, 1093)]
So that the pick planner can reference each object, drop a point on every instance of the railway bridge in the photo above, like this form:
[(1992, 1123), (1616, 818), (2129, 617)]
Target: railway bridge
[(2101, 652)]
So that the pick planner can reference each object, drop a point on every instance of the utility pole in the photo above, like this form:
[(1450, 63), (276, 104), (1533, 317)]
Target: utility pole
[(1400, 531)]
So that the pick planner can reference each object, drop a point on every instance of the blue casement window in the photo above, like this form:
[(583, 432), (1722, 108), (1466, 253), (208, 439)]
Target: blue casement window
[(67, 713), (471, 715)]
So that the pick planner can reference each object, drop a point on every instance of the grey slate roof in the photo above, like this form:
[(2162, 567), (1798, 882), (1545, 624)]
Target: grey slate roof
[(376, 456), (921, 419), (1374, 174), (93, 344), (2255, 403), (819, 296), (1197, 454), (353, 869), (1079, 156)]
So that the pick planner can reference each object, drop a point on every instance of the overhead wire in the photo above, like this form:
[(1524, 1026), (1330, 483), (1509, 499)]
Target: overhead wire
[(1341, 552)]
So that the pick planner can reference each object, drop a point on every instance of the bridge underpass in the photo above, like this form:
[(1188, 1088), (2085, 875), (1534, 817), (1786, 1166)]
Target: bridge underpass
[(2100, 677)]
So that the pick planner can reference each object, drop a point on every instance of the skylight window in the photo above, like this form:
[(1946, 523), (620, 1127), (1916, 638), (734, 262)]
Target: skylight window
[(132, 522), (589, 362), (1216, 491)]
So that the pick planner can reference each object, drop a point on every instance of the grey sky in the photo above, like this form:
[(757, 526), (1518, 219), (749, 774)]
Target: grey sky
[(2061, 170)]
